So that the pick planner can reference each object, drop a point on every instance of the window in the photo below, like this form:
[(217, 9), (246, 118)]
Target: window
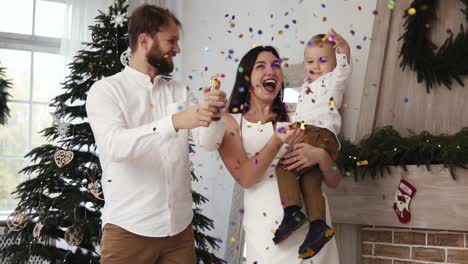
[(30, 32)]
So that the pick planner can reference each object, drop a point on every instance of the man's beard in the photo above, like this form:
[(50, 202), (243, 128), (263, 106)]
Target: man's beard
[(161, 63)]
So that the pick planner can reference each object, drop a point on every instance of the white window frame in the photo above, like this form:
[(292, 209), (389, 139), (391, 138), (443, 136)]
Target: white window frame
[(31, 43)]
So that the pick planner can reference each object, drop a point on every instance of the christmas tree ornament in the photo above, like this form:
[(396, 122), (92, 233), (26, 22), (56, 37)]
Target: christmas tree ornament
[(62, 129), (125, 57), (17, 220), (402, 200), (73, 235), (96, 190), (119, 19), (62, 157), (37, 229)]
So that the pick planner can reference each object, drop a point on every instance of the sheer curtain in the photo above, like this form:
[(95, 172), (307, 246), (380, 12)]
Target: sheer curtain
[(80, 15)]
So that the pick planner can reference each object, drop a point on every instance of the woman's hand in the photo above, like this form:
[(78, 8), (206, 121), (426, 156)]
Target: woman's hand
[(304, 155), (290, 136)]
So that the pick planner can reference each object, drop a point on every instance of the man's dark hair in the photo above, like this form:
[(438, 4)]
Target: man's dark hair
[(148, 19)]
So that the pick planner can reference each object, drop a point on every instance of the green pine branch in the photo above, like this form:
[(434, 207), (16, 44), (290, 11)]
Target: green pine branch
[(385, 147), (4, 95)]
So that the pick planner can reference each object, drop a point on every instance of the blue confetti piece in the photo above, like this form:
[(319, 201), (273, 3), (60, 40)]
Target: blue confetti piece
[(286, 26), (250, 29), (260, 32), (294, 21), (405, 100), (323, 5)]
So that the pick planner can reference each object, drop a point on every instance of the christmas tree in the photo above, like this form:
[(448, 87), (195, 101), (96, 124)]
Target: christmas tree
[(62, 198), (4, 85)]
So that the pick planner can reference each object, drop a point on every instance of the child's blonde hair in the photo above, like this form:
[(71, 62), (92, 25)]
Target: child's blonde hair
[(317, 39)]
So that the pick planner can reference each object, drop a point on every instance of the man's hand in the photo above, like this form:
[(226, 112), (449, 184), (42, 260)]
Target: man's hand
[(199, 115)]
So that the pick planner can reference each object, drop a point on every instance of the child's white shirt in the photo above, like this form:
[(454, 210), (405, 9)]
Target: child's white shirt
[(314, 106)]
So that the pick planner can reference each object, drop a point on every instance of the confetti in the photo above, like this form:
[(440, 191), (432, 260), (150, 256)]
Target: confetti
[(331, 104), (391, 4), (180, 108), (232, 239), (358, 47), (280, 32), (412, 11), (405, 100), (359, 8), (375, 12), (323, 6), (324, 19), (282, 130), (362, 163), (206, 68), (302, 126), (259, 32), (286, 26)]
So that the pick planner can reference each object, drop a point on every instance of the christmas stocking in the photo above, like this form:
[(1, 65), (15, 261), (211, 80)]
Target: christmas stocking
[(403, 196)]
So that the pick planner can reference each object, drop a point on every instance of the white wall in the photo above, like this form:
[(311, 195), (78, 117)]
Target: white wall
[(205, 36)]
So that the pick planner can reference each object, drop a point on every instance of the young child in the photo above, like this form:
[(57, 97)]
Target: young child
[(326, 60)]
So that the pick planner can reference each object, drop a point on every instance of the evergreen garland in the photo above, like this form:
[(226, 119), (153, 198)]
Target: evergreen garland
[(418, 51), (4, 95), (385, 147)]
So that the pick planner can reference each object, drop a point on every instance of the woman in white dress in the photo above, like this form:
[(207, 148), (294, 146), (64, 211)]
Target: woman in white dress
[(253, 143)]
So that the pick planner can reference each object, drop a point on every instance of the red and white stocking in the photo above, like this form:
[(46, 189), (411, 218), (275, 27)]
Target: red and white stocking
[(403, 196)]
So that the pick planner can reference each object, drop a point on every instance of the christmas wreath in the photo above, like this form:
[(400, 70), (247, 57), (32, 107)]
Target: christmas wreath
[(419, 53)]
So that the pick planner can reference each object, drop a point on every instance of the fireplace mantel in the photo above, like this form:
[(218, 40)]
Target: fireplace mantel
[(440, 201)]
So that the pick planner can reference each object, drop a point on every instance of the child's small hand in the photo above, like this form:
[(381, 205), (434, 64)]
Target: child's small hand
[(341, 45)]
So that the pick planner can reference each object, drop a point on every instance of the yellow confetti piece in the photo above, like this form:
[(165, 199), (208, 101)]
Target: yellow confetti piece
[(331, 104), (302, 126), (232, 239), (362, 163), (249, 125), (273, 231), (253, 45), (412, 11), (325, 38), (235, 109), (345, 105)]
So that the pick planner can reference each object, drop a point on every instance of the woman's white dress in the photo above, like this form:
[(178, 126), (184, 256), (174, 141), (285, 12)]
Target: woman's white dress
[(263, 211)]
